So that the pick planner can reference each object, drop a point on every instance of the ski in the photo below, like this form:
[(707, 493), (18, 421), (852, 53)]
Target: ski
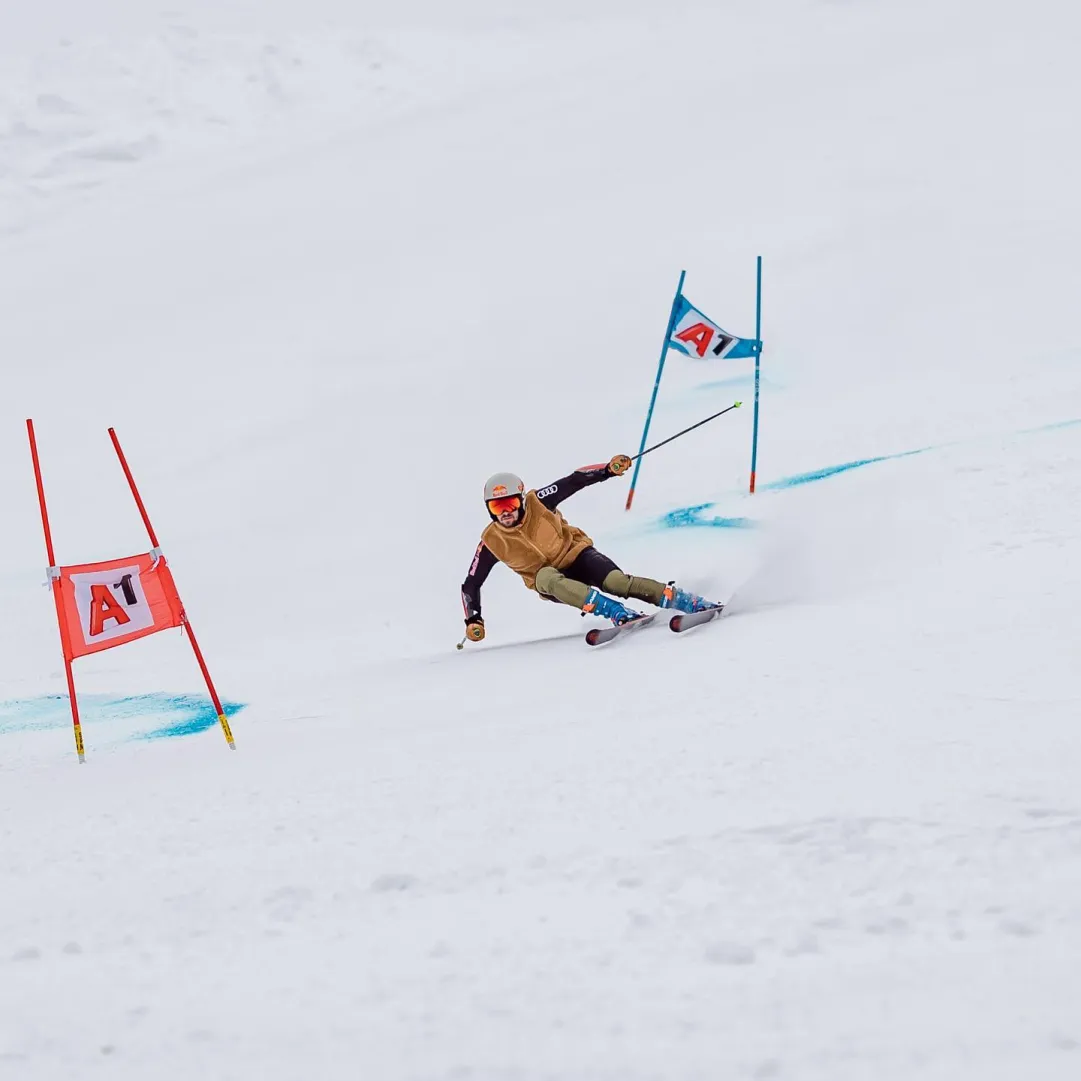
[(684, 621), (599, 635)]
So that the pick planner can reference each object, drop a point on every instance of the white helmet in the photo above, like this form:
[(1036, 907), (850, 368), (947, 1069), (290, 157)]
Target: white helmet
[(502, 486)]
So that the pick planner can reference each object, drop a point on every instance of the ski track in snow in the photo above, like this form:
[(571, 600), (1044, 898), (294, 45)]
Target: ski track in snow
[(328, 265)]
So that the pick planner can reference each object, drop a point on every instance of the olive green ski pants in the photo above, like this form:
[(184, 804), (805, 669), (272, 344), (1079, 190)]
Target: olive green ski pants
[(565, 586)]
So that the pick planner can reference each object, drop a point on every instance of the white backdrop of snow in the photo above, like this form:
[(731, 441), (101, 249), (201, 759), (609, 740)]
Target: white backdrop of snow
[(327, 265)]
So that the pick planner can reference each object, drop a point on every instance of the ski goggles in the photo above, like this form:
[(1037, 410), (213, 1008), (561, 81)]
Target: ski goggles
[(501, 506)]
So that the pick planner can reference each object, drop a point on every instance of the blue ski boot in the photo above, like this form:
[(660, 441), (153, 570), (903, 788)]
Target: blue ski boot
[(598, 604), (682, 601)]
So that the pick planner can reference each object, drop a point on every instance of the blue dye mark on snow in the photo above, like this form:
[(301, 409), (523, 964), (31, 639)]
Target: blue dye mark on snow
[(696, 517), (693, 516), (195, 714), (833, 470), (167, 715), (1052, 427), (820, 474)]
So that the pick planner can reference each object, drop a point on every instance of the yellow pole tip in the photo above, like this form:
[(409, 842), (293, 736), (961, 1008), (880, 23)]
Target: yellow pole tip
[(737, 404)]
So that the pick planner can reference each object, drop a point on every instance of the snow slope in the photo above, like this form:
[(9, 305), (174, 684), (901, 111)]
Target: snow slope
[(326, 266)]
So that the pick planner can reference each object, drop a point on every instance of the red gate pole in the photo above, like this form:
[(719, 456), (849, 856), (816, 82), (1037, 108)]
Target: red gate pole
[(54, 582), (222, 719)]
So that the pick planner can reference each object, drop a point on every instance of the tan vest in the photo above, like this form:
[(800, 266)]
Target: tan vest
[(543, 539)]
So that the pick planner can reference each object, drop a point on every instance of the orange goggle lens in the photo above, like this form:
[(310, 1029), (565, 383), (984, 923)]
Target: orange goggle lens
[(499, 506)]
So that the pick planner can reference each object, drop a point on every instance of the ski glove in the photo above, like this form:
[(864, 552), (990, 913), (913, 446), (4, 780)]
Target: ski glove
[(474, 630), (619, 465)]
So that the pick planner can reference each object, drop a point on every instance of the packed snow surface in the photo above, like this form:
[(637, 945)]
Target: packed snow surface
[(325, 266)]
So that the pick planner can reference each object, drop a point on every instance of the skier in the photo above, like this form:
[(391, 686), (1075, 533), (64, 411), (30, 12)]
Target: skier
[(556, 559)]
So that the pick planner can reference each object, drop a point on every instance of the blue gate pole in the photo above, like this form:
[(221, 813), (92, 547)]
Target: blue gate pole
[(757, 372), (656, 385)]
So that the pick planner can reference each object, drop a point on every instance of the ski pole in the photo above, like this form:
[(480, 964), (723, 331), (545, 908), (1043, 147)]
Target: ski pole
[(734, 405), (461, 644)]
